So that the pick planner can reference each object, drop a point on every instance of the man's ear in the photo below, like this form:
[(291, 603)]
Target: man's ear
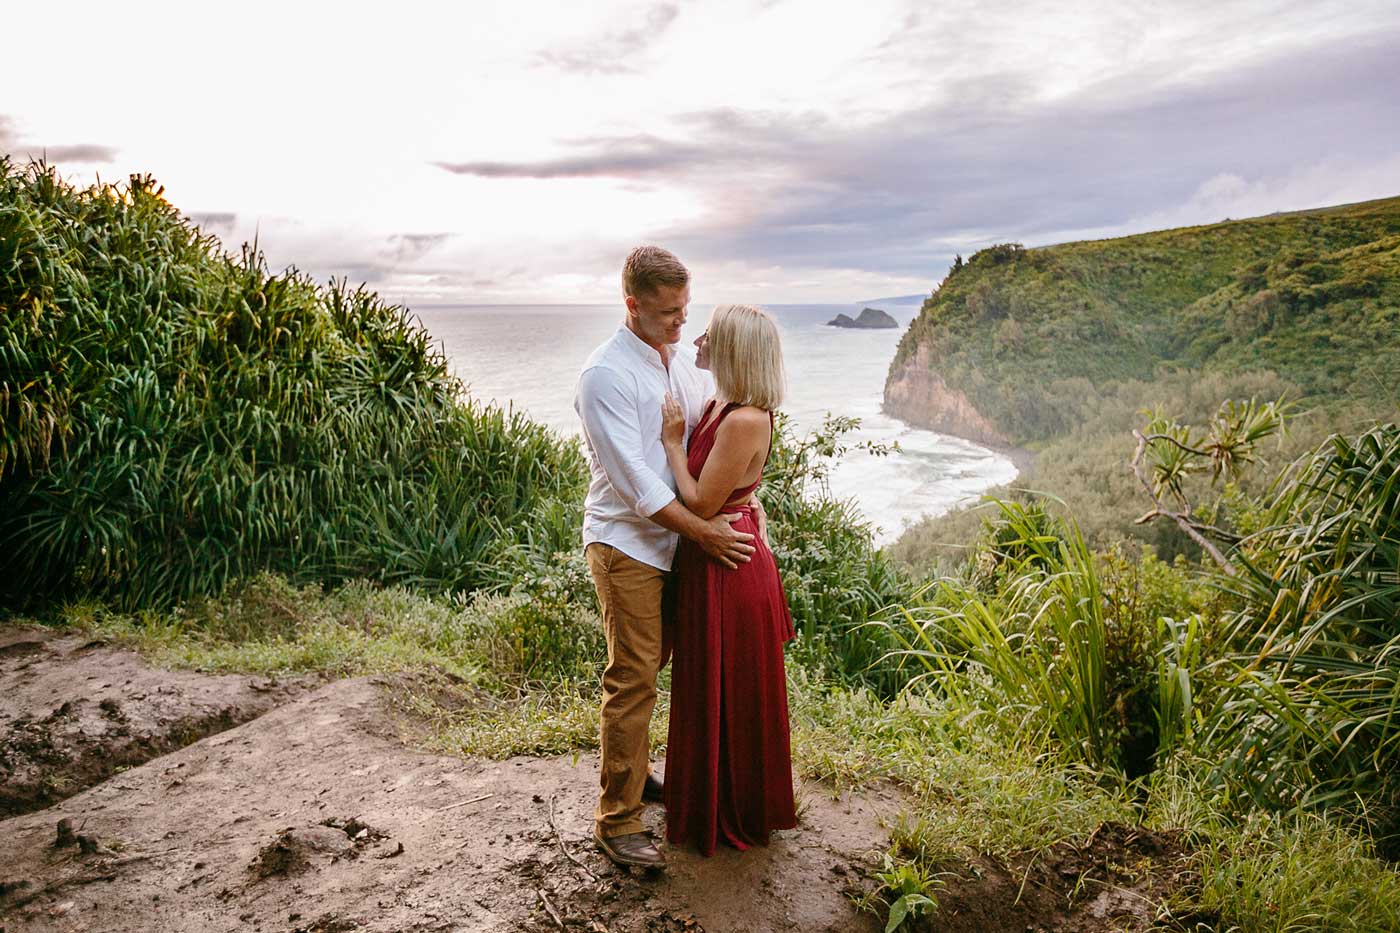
[(631, 302)]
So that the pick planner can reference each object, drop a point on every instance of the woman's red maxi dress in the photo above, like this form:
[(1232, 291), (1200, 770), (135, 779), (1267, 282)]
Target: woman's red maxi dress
[(728, 756)]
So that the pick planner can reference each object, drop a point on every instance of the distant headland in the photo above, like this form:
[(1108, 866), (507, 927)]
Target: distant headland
[(870, 318)]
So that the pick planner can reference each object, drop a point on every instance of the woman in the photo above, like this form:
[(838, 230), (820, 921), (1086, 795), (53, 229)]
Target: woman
[(728, 765)]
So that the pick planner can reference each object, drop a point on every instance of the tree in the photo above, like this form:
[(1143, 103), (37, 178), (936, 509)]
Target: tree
[(1168, 454)]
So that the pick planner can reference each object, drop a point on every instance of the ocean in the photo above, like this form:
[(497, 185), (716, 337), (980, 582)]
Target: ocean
[(529, 357)]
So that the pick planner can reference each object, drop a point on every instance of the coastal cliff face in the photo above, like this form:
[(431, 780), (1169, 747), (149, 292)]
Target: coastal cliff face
[(1040, 339), (915, 393)]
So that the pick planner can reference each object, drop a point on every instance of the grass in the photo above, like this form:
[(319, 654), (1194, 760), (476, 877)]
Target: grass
[(1275, 871), (1298, 872), (972, 789), (271, 626), (556, 723)]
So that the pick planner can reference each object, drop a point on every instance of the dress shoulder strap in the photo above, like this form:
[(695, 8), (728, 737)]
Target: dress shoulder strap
[(713, 423)]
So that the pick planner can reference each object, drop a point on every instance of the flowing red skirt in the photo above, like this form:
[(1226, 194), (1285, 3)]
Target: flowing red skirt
[(728, 754)]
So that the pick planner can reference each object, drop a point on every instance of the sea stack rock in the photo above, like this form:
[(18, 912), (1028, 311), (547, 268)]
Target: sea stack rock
[(870, 318)]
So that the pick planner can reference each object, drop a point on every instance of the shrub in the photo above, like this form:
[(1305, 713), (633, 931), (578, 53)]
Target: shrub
[(175, 419), (1312, 714), (1041, 643), (835, 578)]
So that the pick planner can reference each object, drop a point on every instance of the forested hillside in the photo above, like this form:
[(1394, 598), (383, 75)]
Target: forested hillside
[(1023, 345)]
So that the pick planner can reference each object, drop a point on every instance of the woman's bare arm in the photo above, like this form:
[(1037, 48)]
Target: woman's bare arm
[(673, 439), (741, 442)]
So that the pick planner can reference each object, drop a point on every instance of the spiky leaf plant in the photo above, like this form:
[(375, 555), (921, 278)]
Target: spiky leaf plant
[(173, 418)]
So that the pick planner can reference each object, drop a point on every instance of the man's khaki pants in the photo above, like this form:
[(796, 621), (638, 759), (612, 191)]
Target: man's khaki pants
[(629, 600)]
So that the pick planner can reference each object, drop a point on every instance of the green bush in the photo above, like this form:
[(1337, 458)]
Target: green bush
[(1312, 711), (836, 579), (1064, 646), (173, 419)]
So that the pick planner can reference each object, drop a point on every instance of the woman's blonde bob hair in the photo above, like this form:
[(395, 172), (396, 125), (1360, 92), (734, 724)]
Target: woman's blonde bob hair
[(746, 356)]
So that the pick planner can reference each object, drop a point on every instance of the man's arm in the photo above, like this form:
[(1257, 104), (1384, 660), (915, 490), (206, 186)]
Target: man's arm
[(760, 516), (612, 425), (611, 422), (716, 535)]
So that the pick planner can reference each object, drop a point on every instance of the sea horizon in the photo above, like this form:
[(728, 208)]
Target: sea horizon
[(831, 370)]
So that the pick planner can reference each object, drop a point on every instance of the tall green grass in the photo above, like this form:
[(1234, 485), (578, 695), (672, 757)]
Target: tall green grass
[(1031, 637), (173, 419)]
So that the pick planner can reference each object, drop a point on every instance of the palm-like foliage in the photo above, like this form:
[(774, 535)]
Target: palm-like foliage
[(1167, 454), (172, 419), (1315, 695)]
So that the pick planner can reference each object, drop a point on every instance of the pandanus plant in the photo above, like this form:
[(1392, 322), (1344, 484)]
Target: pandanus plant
[(173, 418)]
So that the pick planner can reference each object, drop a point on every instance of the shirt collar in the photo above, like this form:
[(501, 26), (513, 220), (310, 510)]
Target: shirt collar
[(645, 351)]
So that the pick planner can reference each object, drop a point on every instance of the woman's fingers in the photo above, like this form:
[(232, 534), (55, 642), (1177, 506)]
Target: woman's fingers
[(671, 414)]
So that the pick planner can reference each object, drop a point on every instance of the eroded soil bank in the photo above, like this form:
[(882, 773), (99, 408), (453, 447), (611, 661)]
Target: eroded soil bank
[(301, 807), (74, 711)]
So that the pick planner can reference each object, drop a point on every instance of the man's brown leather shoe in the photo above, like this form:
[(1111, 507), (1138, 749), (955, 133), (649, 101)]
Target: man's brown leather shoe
[(653, 790), (631, 849)]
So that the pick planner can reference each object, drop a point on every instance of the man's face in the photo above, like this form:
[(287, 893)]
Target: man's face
[(658, 316)]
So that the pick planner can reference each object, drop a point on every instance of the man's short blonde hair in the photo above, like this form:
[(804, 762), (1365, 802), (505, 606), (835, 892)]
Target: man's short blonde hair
[(648, 267), (746, 356)]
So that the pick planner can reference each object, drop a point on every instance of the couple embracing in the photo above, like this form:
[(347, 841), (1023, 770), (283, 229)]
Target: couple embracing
[(676, 451)]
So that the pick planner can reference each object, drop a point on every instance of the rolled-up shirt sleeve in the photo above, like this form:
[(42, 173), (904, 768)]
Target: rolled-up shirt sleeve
[(610, 419)]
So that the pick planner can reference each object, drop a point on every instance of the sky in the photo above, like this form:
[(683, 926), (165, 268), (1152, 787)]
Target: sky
[(513, 152)]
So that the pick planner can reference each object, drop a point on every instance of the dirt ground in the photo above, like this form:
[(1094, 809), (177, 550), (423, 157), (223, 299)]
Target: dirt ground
[(139, 799), (74, 711), (315, 816)]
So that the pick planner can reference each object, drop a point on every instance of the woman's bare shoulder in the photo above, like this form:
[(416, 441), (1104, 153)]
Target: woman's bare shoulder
[(748, 418)]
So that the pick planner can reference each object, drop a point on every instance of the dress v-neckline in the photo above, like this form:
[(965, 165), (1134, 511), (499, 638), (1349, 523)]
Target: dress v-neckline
[(703, 423)]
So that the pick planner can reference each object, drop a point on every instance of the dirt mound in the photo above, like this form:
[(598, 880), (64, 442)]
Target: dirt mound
[(74, 711), (1114, 880), (295, 849)]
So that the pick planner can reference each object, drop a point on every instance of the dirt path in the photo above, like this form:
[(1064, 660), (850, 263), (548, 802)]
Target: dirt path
[(315, 816), (139, 799)]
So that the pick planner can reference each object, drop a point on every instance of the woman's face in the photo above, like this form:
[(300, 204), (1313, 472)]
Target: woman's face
[(702, 351)]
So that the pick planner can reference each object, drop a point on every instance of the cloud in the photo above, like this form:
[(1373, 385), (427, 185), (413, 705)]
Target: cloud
[(220, 222), (81, 152), (11, 143), (408, 267), (615, 52), (993, 160), (1332, 180), (409, 247), (618, 157)]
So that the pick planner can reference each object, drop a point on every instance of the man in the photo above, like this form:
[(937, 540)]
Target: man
[(631, 520)]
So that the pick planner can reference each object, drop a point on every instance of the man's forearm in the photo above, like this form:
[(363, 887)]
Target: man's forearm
[(728, 546), (676, 517)]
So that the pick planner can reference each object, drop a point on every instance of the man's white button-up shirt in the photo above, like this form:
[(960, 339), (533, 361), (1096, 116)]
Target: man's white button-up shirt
[(620, 393)]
